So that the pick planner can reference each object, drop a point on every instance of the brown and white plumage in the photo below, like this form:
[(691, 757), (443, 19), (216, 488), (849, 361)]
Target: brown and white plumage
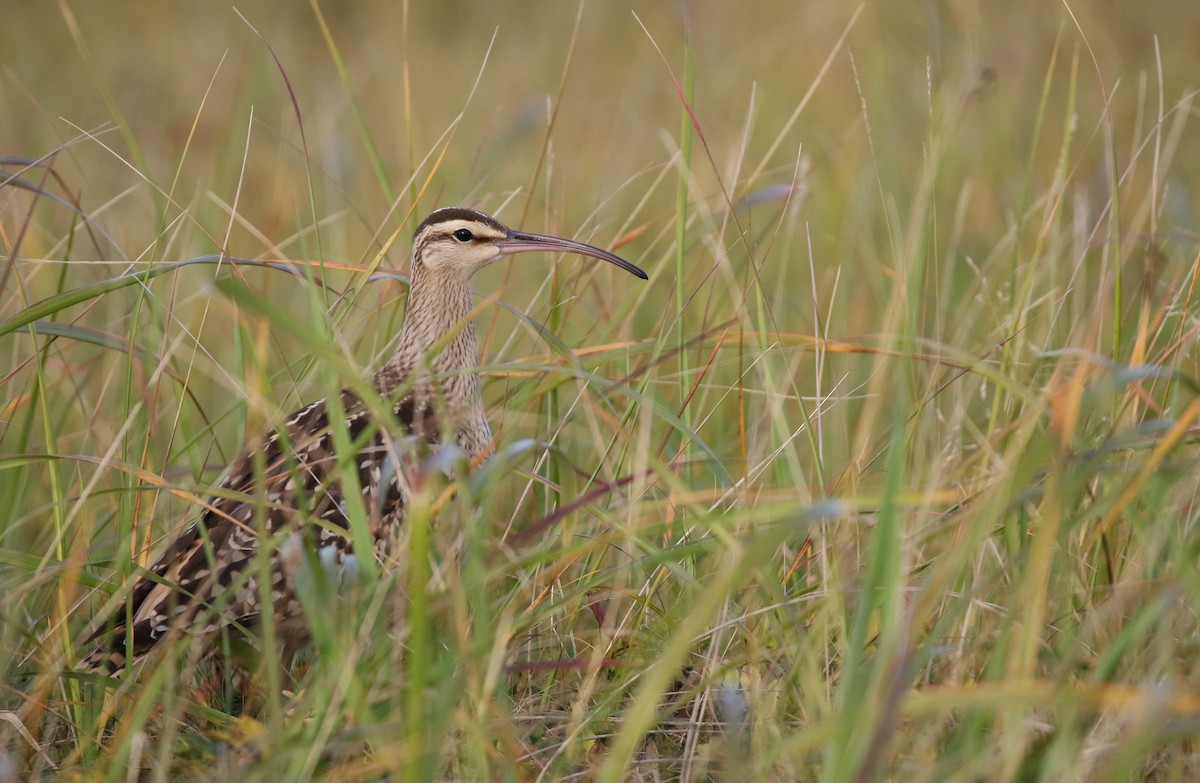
[(287, 490)]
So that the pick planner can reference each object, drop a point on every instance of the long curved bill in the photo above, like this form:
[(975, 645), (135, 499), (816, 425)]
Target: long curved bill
[(525, 242)]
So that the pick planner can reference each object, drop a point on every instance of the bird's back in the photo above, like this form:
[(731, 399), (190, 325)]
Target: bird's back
[(287, 492)]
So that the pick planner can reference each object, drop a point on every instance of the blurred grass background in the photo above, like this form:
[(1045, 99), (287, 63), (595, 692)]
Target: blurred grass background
[(904, 423)]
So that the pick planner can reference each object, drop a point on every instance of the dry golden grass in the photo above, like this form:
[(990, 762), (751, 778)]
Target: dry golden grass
[(888, 473)]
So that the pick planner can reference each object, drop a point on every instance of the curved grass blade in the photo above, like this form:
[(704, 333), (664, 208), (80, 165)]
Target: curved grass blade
[(54, 304)]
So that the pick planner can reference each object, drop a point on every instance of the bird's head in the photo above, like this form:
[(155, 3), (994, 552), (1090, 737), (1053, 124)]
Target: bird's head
[(459, 242)]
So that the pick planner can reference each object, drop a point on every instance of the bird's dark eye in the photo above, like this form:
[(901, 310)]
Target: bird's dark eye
[(464, 235)]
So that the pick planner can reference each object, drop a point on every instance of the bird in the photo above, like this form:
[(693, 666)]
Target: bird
[(287, 490)]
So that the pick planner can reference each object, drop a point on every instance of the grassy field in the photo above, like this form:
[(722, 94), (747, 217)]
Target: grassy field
[(889, 472)]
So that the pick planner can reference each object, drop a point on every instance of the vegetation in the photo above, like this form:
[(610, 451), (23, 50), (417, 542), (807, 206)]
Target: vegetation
[(889, 472)]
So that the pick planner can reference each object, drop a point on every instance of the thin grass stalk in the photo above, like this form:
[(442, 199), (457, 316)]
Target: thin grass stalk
[(681, 219)]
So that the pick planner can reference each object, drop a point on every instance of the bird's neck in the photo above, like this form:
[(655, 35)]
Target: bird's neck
[(437, 356)]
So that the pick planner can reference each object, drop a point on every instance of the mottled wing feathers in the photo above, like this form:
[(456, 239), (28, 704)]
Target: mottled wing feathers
[(288, 484)]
